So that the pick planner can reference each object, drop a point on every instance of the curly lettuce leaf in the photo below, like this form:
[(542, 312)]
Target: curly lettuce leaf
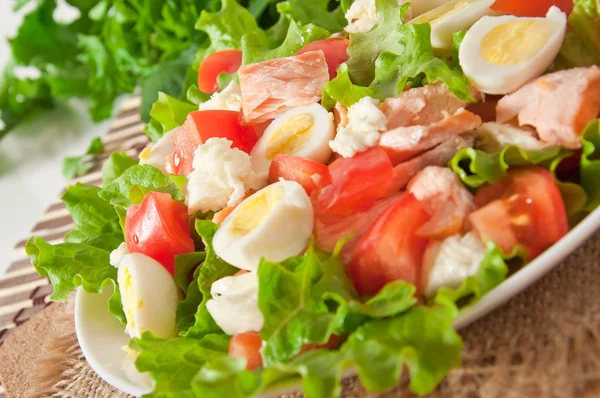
[(581, 46), (314, 11), (173, 363), (475, 168), (79, 165), (167, 113), (255, 47), (590, 164), (115, 166), (341, 89), (193, 318)]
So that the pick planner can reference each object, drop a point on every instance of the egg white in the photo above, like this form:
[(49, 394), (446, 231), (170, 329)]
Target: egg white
[(149, 295), (420, 7), (283, 232), (492, 78), (317, 146)]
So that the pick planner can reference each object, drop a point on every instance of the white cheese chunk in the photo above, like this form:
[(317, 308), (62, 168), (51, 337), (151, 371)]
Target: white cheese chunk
[(222, 175), (234, 305), (117, 255), (362, 16), (452, 260), (230, 99), (365, 124)]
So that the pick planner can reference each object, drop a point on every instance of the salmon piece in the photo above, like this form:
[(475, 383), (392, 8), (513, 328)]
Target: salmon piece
[(329, 229), (272, 87), (559, 105), (422, 105), (444, 198), (404, 143), (438, 156)]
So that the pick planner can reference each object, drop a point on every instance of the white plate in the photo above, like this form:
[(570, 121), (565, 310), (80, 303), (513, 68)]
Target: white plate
[(101, 336)]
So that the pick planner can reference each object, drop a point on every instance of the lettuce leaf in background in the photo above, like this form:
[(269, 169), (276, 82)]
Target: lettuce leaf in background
[(116, 164), (581, 46), (80, 165), (316, 12), (590, 164)]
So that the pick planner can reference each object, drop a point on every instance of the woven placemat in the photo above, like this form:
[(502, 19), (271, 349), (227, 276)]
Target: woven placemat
[(544, 343)]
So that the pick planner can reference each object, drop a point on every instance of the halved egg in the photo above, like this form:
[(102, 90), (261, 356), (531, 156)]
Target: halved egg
[(275, 223), (303, 131), (420, 7), (149, 296), (452, 17), (500, 54)]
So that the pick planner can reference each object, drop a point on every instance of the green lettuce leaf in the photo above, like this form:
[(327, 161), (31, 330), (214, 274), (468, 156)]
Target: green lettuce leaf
[(184, 265), (475, 168), (80, 165), (581, 46), (172, 364), (341, 89), (198, 292), (590, 164), (167, 113), (115, 166), (314, 11), (255, 46)]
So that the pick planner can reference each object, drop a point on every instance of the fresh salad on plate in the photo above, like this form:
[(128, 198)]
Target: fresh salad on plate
[(333, 190)]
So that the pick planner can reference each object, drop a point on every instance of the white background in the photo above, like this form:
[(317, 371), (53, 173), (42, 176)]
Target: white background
[(31, 156)]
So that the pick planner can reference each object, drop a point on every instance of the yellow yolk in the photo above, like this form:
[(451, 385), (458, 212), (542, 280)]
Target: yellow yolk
[(130, 300), (131, 353), (145, 154), (515, 42), (291, 136), (255, 209), (442, 12)]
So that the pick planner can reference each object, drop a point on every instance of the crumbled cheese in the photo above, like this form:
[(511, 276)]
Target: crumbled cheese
[(362, 16), (452, 260), (492, 137), (229, 99), (365, 124), (234, 304), (222, 175), (156, 154), (117, 255)]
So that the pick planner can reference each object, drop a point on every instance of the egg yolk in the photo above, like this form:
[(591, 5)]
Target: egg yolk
[(514, 42), (252, 212), (442, 12), (145, 154), (290, 136)]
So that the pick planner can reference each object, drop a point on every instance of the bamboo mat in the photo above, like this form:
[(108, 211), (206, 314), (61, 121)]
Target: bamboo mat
[(23, 293)]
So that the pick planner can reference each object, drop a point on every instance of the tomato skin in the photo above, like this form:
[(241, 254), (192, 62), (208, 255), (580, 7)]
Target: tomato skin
[(335, 50), (200, 126), (391, 249), (531, 8), (357, 183), (308, 173), (525, 207), (159, 228), (222, 61), (247, 345)]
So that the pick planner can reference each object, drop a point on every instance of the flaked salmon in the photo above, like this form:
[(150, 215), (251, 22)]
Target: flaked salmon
[(404, 143), (559, 105), (445, 198), (438, 156), (422, 105), (272, 87)]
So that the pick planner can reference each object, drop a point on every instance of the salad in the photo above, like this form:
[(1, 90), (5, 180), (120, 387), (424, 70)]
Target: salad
[(336, 188)]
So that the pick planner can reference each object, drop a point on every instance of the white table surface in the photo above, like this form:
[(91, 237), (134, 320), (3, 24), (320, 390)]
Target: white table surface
[(31, 156)]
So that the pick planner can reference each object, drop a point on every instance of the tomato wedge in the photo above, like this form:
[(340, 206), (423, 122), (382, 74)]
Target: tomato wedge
[(228, 61), (531, 8), (308, 173), (525, 208), (247, 345), (356, 183), (159, 228), (335, 50), (391, 249), (203, 125)]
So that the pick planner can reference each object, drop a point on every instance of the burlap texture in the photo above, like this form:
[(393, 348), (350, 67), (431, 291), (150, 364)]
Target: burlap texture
[(544, 343)]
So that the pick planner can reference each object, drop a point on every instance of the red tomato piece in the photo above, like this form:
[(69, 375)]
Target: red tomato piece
[(159, 228), (247, 346), (531, 8), (335, 50), (228, 61), (525, 207), (308, 173), (357, 182), (391, 249), (203, 125)]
